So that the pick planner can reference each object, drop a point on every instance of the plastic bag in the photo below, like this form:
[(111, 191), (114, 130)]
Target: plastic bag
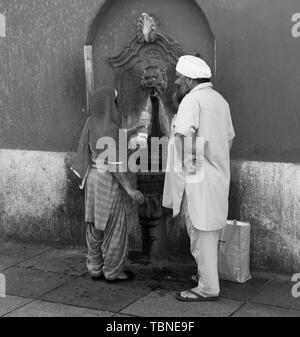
[(234, 252)]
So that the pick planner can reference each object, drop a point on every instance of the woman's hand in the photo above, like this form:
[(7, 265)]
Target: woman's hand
[(136, 195)]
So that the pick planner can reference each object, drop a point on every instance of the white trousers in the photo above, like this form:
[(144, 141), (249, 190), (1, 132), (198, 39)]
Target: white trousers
[(204, 248)]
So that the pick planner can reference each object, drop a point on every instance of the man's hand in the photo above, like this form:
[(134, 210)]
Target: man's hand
[(136, 195), (192, 170)]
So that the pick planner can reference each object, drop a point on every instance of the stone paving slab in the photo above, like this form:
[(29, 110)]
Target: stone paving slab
[(10, 303), (7, 262), (171, 285), (261, 310), (163, 304), (242, 292), (177, 278), (50, 274), (96, 295), (46, 309), (135, 283), (25, 282), (163, 275), (121, 315), (12, 253), (64, 261), (164, 271), (278, 293)]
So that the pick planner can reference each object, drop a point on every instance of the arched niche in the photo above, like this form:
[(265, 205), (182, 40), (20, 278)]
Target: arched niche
[(115, 26)]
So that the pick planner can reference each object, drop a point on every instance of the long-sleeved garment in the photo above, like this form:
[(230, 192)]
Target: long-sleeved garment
[(205, 116)]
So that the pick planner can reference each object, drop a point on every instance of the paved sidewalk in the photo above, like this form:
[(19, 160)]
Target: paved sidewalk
[(44, 281)]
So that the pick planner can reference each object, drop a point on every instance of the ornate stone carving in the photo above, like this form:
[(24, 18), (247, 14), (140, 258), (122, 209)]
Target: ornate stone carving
[(148, 32), (148, 64), (147, 28)]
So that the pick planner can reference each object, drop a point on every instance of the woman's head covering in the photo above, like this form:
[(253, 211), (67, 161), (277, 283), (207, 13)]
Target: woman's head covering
[(105, 119)]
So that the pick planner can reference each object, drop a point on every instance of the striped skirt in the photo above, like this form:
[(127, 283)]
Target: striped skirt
[(111, 215), (100, 192), (108, 249)]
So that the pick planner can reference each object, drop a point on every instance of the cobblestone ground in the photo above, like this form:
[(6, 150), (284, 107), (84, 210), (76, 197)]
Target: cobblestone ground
[(45, 281)]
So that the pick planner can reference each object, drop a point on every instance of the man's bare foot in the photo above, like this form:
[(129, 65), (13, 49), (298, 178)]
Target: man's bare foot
[(188, 294), (193, 295)]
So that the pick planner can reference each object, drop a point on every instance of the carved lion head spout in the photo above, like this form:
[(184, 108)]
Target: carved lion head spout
[(154, 79)]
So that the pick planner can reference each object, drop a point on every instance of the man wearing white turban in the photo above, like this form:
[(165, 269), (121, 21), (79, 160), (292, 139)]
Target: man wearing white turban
[(200, 189)]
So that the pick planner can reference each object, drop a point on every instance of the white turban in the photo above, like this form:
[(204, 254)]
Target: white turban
[(193, 67)]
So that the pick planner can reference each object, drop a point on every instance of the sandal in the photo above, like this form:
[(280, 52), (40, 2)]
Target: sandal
[(130, 275), (198, 298)]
